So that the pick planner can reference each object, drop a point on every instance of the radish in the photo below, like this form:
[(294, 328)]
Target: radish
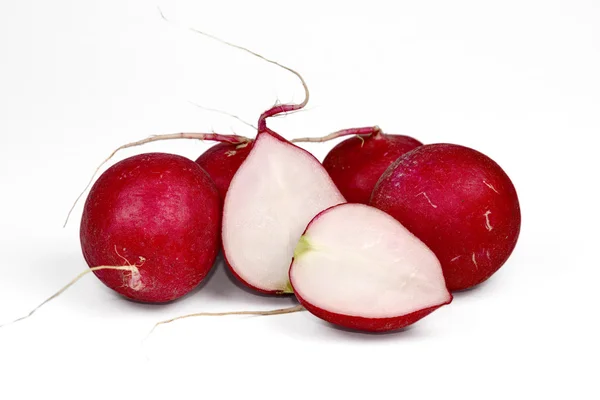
[(222, 162), (359, 268), (158, 212), (357, 163), (277, 190), (460, 203)]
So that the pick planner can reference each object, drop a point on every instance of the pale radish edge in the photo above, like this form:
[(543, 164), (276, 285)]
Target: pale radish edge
[(356, 260), (273, 196)]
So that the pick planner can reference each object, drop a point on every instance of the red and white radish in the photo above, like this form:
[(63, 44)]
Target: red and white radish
[(357, 163), (460, 203), (158, 212), (357, 267), (276, 191)]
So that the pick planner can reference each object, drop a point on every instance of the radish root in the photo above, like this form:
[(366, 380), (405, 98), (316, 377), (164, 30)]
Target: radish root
[(216, 110), (134, 273), (233, 139), (278, 108), (279, 311), (366, 131)]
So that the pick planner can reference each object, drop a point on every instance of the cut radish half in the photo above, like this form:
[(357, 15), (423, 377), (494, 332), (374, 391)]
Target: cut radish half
[(358, 267), (272, 197)]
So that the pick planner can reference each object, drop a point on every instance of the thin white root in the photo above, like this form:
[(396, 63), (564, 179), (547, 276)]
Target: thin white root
[(132, 268), (279, 311), (216, 110), (358, 132), (264, 116), (362, 140), (302, 81)]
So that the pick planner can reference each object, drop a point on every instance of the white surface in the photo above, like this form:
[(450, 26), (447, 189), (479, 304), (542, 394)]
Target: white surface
[(273, 196), (517, 80), (360, 261)]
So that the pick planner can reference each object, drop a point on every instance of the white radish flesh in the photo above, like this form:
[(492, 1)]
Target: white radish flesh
[(275, 193), (356, 261)]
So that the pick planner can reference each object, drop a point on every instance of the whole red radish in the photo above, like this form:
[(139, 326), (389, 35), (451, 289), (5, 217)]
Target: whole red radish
[(357, 267), (460, 203), (222, 162), (357, 163), (159, 212)]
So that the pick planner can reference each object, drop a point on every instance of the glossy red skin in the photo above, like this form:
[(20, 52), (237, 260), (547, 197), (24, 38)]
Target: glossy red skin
[(356, 166), (159, 207), (442, 193), (222, 162), (361, 323), (234, 273), (368, 324)]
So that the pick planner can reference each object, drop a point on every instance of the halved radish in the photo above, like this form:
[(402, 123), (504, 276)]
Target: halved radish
[(357, 267), (273, 196)]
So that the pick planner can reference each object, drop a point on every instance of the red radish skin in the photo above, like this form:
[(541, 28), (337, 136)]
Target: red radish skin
[(159, 212), (460, 203), (222, 162), (358, 268), (368, 324), (357, 163)]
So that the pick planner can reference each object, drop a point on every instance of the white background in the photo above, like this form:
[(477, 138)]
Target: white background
[(517, 80)]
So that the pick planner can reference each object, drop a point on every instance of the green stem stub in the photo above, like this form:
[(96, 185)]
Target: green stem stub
[(288, 288), (302, 247)]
